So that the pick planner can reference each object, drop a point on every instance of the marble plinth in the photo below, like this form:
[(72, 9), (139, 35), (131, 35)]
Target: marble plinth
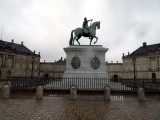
[(85, 61)]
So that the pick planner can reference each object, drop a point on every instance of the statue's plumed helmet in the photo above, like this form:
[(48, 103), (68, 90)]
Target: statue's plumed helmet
[(85, 18)]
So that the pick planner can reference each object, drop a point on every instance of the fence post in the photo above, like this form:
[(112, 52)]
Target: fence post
[(107, 92), (6, 92), (141, 94), (73, 93), (39, 93)]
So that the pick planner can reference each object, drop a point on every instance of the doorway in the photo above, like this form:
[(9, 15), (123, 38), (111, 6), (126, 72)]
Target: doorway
[(154, 77), (46, 75), (115, 78)]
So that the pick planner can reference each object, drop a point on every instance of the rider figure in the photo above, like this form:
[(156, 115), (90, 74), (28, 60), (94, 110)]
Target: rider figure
[(85, 25)]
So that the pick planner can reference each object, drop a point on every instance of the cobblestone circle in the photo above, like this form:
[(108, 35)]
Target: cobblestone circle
[(30, 109)]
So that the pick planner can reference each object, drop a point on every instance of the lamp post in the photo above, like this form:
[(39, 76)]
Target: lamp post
[(32, 66), (134, 66)]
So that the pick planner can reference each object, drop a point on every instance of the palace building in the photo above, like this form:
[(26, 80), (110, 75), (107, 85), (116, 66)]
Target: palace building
[(53, 69), (143, 62), (17, 60), (115, 70)]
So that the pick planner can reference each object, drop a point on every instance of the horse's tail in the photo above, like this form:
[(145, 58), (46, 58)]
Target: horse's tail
[(71, 39)]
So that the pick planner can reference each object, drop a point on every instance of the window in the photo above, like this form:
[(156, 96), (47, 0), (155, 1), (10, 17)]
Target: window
[(0, 62), (17, 65), (35, 67), (153, 64), (23, 66), (18, 57), (144, 67), (35, 74), (126, 68), (30, 66), (138, 67), (16, 73), (23, 73), (9, 63), (158, 62)]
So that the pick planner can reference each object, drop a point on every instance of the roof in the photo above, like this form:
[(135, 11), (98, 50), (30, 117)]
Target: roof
[(145, 49), (20, 48), (59, 62), (113, 63)]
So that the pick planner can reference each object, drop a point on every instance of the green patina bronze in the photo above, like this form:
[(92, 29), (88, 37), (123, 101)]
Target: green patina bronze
[(76, 63), (95, 62), (85, 31)]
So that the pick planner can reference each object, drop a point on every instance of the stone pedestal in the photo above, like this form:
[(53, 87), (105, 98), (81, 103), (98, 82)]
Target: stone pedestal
[(85, 61), (73, 93), (107, 94), (39, 93), (6, 92), (141, 94)]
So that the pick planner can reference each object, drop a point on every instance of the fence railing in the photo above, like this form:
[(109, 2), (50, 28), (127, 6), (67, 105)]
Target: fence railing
[(82, 84), (147, 84)]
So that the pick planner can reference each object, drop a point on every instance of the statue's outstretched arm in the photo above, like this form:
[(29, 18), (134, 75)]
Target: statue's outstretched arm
[(90, 20)]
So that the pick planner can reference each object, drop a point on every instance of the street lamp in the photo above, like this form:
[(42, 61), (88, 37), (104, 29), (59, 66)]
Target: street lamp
[(134, 66), (32, 65)]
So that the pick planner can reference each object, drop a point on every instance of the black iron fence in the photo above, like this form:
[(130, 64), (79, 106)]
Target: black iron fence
[(149, 85), (82, 84)]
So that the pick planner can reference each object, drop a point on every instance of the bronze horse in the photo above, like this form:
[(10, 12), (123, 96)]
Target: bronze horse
[(79, 32)]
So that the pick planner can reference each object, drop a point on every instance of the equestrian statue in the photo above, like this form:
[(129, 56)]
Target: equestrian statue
[(85, 31)]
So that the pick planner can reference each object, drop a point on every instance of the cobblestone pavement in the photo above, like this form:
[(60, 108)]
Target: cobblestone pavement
[(30, 109)]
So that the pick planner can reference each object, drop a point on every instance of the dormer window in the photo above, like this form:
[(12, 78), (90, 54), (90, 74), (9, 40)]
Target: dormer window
[(9, 45)]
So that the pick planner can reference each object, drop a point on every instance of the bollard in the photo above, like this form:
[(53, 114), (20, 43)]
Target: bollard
[(107, 93), (5, 92), (39, 93), (73, 93), (141, 94)]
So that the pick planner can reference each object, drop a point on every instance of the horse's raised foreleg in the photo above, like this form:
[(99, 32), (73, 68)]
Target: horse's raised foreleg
[(96, 39)]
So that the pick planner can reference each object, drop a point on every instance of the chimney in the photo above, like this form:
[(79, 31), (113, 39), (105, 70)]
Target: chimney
[(12, 40), (117, 61), (144, 44), (44, 61), (34, 51), (61, 58), (123, 54), (128, 53), (22, 43)]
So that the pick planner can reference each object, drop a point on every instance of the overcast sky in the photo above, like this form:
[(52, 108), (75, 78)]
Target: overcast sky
[(45, 25)]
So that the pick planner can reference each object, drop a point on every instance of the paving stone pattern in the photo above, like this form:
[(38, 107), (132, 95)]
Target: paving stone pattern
[(31, 109)]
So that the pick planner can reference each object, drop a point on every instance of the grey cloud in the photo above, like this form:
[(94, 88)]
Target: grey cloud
[(45, 26)]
